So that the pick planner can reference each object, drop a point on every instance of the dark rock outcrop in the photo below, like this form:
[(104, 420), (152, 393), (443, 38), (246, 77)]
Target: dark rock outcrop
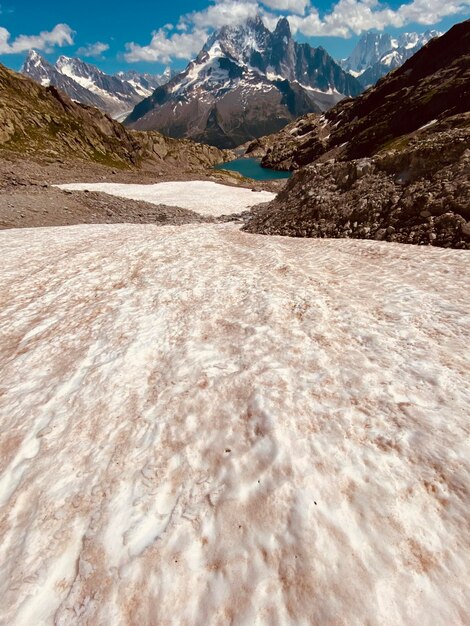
[(417, 192)]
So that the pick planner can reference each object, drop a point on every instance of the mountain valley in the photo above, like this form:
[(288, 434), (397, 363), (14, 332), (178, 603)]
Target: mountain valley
[(240, 72), (226, 400)]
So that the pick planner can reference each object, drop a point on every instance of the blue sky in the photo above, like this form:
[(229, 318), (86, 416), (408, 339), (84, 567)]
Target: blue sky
[(147, 36)]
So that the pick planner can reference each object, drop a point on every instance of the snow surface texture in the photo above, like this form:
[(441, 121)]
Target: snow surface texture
[(203, 427), (204, 197)]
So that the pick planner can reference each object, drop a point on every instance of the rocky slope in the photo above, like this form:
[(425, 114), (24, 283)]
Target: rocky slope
[(417, 191), (42, 123), (87, 84), (246, 82), (376, 54), (40, 206), (434, 83), (392, 164)]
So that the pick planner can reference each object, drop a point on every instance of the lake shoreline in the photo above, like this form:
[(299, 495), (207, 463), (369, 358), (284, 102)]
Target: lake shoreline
[(251, 168)]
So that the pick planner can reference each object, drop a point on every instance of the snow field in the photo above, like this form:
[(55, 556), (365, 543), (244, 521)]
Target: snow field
[(203, 427), (204, 197)]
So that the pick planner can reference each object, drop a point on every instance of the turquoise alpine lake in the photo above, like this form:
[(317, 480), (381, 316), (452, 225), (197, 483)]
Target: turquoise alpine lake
[(251, 168)]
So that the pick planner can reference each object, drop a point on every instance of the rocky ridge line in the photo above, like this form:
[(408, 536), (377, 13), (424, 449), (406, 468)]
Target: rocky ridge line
[(392, 164), (43, 123)]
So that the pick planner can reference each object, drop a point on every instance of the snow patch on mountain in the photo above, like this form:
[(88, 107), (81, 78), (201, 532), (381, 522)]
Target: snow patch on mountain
[(202, 426), (204, 197), (145, 84)]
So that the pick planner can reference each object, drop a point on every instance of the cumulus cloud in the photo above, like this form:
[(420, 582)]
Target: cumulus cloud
[(291, 6), (431, 11), (186, 39), (346, 17), (93, 49), (165, 46), (223, 12), (60, 35), (357, 16)]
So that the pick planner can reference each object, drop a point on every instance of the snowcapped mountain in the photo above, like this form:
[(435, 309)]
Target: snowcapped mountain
[(376, 54), (87, 84), (246, 82), (117, 95), (44, 73), (145, 84), (370, 48)]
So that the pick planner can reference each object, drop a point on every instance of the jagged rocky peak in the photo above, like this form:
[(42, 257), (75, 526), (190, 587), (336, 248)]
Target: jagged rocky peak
[(72, 66), (33, 59), (283, 29), (376, 54), (276, 55), (92, 78), (251, 42), (369, 49), (412, 40), (240, 41), (88, 84), (246, 82), (41, 71), (64, 62), (37, 68)]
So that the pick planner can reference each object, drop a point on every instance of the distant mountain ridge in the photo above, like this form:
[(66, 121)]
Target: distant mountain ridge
[(277, 56), (41, 123), (87, 84), (376, 54), (246, 82), (145, 84)]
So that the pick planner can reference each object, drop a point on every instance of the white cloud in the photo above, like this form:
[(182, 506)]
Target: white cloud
[(60, 35), (431, 11), (192, 31), (291, 6), (93, 49), (357, 16), (223, 12), (346, 17), (164, 47)]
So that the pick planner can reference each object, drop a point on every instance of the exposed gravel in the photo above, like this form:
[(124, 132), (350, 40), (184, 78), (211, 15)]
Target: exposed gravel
[(27, 198)]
